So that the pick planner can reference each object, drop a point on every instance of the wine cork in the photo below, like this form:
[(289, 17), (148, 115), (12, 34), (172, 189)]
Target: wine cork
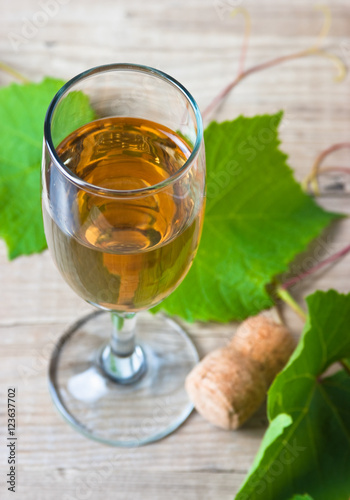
[(230, 383)]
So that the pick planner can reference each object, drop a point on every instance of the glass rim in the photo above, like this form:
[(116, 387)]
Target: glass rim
[(93, 188)]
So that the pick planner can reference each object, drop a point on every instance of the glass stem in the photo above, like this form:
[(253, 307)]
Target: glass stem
[(122, 359), (123, 333)]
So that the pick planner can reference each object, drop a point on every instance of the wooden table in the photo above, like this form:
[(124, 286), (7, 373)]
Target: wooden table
[(199, 44)]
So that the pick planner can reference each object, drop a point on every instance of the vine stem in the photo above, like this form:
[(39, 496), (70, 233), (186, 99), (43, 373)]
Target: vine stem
[(315, 170), (315, 268), (13, 72), (342, 170), (314, 49), (288, 299), (268, 64)]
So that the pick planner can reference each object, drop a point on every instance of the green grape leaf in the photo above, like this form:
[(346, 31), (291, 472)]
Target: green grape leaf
[(22, 113), (257, 220), (301, 497), (307, 444)]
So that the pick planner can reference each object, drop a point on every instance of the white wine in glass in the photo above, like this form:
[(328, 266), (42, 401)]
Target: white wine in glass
[(123, 202)]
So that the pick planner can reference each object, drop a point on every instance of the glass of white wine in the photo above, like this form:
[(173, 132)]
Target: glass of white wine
[(123, 195)]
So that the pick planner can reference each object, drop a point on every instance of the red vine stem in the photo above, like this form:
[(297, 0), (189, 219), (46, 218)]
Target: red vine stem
[(315, 170), (315, 268), (268, 64), (312, 178), (278, 60), (259, 67), (342, 170)]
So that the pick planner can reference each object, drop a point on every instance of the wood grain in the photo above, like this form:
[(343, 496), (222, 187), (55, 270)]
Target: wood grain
[(198, 43)]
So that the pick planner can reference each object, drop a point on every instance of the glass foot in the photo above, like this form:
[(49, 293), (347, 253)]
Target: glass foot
[(123, 414)]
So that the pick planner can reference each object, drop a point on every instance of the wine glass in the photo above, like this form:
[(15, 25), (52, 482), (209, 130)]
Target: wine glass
[(123, 192)]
